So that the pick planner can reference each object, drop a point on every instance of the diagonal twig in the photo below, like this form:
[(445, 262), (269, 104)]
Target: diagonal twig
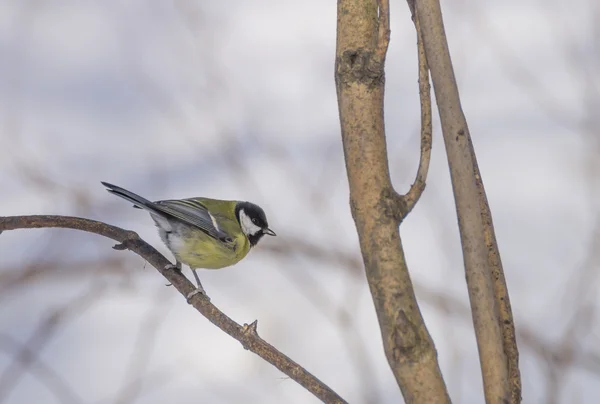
[(246, 335)]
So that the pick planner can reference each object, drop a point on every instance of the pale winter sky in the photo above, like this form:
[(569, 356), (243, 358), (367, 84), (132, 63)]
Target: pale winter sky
[(236, 99)]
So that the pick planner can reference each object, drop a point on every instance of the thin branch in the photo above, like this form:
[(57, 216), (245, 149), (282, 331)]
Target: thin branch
[(417, 188), (474, 221), (383, 33), (246, 334), (506, 321)]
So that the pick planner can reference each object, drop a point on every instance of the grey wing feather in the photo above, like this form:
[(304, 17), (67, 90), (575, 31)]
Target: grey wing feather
[(193, 212), (188, 211)]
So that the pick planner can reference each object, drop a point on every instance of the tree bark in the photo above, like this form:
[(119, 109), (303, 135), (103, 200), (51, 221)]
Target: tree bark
[(362, 39), (488, 294)]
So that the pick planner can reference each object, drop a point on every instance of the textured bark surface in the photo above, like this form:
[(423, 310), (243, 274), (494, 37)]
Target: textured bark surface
[(500, 290), (488, 294), (377, 209)]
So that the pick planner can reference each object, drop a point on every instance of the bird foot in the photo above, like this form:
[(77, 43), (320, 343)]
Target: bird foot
[(170, 267), (197, 291)]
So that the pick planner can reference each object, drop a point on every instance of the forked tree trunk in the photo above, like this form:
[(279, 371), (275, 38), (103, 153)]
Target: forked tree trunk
[(362, 42)]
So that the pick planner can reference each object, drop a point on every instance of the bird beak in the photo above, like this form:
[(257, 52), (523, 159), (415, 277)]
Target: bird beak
[(269, 232)]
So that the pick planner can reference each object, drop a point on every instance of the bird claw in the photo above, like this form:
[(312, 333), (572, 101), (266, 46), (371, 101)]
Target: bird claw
[(170, 267), (197, 291)]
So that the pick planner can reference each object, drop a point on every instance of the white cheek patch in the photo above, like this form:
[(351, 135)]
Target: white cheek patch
[(248, 227)]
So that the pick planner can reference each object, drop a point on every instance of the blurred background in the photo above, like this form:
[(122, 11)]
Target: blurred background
[(236, 99)]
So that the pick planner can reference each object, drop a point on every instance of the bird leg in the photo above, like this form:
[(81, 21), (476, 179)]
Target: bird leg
[(199, 289)]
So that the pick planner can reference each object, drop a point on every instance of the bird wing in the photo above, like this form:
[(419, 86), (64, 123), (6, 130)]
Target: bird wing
[(193, 212)]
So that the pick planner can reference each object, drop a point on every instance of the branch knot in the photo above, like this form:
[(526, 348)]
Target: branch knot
[(130, 238), (404, 338), (359, 66), (393, 204), (249, 332)]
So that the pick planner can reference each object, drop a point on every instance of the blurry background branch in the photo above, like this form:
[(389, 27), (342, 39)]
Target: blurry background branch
[(52, 380), (26, 357), (246, 335)]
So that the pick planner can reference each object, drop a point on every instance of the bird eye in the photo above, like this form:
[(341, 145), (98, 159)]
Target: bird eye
[(255, 221)]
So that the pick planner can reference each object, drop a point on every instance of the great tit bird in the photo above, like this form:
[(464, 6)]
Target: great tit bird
[(202, 232)]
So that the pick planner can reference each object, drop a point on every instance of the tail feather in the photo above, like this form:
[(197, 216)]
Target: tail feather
[(138, 201)]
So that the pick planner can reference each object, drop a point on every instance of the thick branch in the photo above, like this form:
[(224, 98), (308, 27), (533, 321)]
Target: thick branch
[(376, 208), (246, 334), (461, 159)]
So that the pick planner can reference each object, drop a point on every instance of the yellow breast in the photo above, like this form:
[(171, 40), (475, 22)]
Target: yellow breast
[(206, 252)]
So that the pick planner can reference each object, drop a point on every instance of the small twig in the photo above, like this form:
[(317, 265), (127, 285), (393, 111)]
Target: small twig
[(250, 330), (383, 37), (417, 188), (383, 32), (131, 241)]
